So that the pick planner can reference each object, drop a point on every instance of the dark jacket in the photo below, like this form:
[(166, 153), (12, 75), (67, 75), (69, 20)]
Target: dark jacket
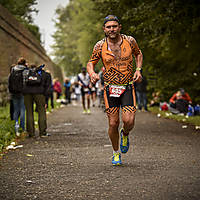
[(16, 68), (43, 88), (141, 86)]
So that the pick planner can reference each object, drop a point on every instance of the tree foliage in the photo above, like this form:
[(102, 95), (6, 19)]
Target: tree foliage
[(77, 31), (167, 32), (22, 10)]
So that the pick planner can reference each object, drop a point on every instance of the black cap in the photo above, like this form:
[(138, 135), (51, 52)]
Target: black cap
[(111, 18), (84, 69)]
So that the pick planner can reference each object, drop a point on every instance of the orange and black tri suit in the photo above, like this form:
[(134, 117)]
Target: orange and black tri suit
[(118, 71)]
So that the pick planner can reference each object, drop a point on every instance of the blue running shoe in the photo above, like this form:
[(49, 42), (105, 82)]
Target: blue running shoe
[(116, 159), (124, 145)]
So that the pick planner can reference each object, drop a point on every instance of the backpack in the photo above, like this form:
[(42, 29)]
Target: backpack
[(15, 82), (33, 78), (164, 107)]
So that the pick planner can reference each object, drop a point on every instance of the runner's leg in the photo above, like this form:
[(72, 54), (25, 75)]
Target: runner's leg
[(88, 100), (83, 100), (128, 109), (128, 121), (112, 109), (113, 120)]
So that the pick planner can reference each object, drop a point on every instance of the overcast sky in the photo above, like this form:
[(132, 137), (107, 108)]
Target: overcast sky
[(44, 19)]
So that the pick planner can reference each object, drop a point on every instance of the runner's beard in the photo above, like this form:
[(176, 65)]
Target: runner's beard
[(109, 35)]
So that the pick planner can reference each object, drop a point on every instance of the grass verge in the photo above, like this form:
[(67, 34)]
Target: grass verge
[(194, 120), (7, 130)]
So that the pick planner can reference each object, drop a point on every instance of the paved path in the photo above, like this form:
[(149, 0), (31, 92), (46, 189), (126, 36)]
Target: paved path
[(163, 162)]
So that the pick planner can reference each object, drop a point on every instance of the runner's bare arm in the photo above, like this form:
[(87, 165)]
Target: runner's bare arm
[(96, 55), (138, 59), (93, 76)]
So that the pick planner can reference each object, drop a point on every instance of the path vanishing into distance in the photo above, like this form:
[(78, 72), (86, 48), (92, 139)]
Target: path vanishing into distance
[(163, 162)]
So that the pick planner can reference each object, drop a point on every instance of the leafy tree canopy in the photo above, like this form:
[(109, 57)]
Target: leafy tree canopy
[(22, 10), (167, 32), (78, 28)]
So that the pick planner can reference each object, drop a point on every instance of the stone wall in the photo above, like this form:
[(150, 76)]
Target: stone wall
[(16, 41)]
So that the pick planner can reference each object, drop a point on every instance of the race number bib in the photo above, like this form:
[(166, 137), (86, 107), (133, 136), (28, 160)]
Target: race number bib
[(116, 90), (85, 89), (93, 89)]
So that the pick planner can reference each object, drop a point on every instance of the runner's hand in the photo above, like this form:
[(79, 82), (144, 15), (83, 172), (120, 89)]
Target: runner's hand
[(137, 76), (94, 77)]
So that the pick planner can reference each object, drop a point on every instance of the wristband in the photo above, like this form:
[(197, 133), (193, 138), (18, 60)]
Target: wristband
[(138, 69)]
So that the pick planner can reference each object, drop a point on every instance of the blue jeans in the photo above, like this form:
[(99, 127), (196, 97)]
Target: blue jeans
[(141, 100), (19, 110)]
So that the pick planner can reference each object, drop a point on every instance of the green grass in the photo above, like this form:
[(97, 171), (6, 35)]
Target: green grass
[(194, 120), (7, 131)]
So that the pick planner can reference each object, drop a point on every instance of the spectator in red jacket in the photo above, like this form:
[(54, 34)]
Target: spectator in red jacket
[(180, 101), (57, 88), (181, 94)]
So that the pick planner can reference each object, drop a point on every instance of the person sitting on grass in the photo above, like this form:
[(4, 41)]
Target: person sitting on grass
[(179, 102)]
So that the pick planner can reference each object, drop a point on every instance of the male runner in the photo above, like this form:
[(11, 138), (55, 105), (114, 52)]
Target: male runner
[(84, 82), (116, 51)]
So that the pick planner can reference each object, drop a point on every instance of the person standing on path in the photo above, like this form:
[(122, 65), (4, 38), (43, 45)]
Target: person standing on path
[(116, 51), (141, 93), (84, 82), (36, 93), (67, 86), (57, 88), (17, 95)]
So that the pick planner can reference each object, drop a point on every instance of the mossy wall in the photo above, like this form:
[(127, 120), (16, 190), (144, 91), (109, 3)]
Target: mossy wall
[(17, 41)]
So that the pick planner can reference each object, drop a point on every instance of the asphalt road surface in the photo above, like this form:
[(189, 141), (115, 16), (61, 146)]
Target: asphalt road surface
[(163, 162)]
